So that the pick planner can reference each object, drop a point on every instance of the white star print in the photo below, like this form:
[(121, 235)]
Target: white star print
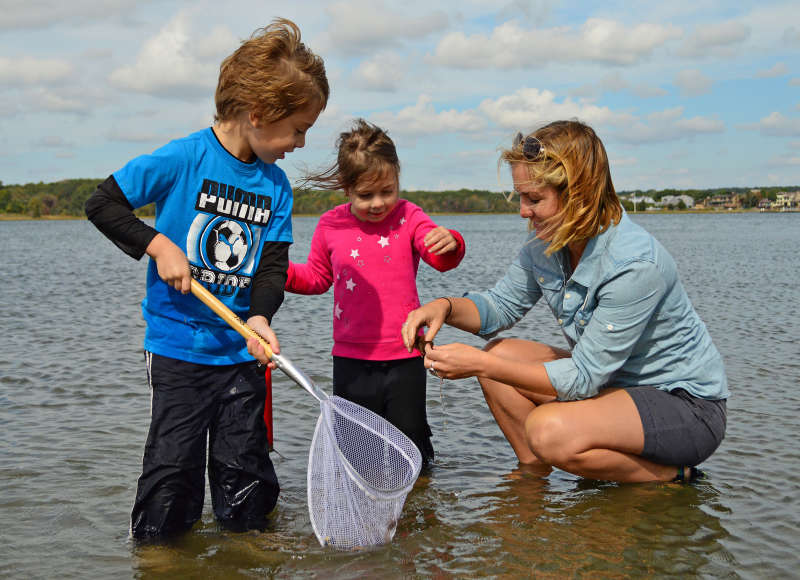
[(338, 311), (354, 254), (384, 241), (402, 221), (350, 284)]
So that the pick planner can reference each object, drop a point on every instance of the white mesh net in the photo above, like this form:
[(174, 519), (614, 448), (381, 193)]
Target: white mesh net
[(360, 470)]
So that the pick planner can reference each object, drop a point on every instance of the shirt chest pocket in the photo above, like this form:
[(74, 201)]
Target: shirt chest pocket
[(551, 284)]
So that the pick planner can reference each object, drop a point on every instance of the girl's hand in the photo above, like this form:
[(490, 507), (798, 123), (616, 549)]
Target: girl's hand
[(440, 241), (431, 315), (171, 263), (254, 347), (455, 361)]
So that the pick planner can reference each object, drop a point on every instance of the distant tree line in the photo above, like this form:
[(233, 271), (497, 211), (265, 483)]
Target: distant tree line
[(66, 198)]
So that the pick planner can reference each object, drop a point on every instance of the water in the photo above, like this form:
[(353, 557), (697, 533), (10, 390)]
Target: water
[(74, 412)]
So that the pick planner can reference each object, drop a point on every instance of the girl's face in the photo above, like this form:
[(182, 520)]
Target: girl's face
[(536, 203), (374, 197)]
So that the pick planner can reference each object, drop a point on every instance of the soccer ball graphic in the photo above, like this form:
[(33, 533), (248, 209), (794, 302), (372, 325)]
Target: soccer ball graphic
[(226, 245)]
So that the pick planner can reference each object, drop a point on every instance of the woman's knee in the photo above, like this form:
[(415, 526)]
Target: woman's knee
[(547, 435)]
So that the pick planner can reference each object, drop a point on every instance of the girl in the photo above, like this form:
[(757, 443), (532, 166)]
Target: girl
[(640, 395), (369, 250)]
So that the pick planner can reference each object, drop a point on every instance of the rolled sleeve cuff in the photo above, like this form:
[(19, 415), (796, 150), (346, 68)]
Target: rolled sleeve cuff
[(489, 322), (565, 378)]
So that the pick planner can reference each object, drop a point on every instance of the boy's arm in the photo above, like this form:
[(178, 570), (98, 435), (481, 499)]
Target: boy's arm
[(111, 213), (269, 280)]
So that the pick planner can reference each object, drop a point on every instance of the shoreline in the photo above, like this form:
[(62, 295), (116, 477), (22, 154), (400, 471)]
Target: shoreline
[(10, 217)]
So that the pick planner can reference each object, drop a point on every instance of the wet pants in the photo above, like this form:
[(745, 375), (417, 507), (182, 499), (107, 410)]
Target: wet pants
[(197, 408), (394, 389)]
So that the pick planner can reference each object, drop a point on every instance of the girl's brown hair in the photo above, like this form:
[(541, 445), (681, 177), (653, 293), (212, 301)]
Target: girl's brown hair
[(272, 74), (572, 161), (364, 151)]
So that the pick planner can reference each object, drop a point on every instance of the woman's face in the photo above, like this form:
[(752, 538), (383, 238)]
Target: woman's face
[(535, 203)]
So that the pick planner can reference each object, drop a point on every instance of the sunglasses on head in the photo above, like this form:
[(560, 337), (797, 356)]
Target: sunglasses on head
[(532, 148)]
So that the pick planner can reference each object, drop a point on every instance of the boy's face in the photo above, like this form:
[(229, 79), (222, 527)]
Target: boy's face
[(272, 141)]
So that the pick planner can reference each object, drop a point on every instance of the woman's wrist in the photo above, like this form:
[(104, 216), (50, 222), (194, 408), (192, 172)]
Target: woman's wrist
[(449, 306)]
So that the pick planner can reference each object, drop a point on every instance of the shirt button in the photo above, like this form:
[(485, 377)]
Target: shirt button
[(582, 322), (541, 278), (560, 321), (567, 295), (610, 327)]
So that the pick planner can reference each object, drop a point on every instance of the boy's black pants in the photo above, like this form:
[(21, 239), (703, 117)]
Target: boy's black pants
[(197, 407)]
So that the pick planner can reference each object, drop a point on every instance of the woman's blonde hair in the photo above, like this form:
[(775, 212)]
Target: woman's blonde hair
[(272, 74), (365, 151), (572, 160)]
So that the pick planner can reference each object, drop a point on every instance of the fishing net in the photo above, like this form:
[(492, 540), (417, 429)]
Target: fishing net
[(360, 470), (360, 466)]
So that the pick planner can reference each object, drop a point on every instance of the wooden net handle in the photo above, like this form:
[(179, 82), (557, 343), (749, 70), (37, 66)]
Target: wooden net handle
[(227, 315)]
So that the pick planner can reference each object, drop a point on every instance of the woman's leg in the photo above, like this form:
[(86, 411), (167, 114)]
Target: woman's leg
[(598, 438), (510, 406)]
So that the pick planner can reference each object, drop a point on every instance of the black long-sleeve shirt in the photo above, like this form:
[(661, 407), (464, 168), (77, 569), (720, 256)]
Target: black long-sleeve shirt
[(111, 212)]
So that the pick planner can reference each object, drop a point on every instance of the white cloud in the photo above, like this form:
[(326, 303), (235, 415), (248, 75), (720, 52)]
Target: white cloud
[(175, 63), (529, 107), (791, 35), (777, 70), (715, 39), (33, 71), (795, 82), (785, 160), (363, 26), (692, 82), (384, 72), (24, 14), (776, 125), (669, 125), (510, 46), (423, 119)]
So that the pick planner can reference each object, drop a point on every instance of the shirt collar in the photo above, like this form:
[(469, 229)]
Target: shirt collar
[(589, 264)]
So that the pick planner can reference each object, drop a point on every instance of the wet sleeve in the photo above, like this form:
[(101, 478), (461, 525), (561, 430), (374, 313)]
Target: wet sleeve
[(269, 280), (111, 213)]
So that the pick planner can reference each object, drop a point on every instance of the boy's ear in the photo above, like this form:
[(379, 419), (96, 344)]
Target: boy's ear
[(254, 118)]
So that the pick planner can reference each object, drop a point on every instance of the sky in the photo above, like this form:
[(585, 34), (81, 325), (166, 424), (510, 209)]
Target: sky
[(684, 94)]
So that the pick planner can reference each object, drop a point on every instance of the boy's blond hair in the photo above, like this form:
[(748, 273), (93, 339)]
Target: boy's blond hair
[(272, 74), (572, 161)]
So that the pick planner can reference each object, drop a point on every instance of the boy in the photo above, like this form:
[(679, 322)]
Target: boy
[(223, 217)]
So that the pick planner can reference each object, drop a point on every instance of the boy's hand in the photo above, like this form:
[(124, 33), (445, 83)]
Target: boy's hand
[(440, 241), (260, 325), (171, 262)]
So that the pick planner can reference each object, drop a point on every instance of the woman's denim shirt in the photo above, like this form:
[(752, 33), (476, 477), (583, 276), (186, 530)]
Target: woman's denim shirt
[(624, 313)]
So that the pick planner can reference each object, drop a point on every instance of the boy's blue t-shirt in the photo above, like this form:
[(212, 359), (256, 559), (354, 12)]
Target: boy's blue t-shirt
[(219, 211)]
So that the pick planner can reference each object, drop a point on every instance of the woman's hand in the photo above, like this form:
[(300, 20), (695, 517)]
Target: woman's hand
[(455, 361), (431, 315), (439, 241), (254, 347), (171, 263)]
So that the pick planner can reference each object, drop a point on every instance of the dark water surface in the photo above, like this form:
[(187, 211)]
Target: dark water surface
[(74, 410)]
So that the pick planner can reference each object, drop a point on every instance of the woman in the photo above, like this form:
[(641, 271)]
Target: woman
[(640, 395)]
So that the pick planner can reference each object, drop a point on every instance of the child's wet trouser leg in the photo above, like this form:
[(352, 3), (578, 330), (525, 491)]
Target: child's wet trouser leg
[(396, 390), (244, 487), (189, 401)]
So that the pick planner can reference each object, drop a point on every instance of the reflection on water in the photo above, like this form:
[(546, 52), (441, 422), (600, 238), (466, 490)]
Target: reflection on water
[(74, 404)]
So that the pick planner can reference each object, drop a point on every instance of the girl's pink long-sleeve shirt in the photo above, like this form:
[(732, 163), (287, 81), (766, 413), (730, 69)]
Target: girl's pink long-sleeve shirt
[(373, 270)]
